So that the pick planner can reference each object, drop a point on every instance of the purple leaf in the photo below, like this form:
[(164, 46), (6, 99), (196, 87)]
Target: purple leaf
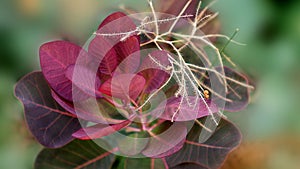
[(49, 123), (186, 112), (77, 154), (55, 58), (63, 103), (99, 130), (124, 86), (210, 154)]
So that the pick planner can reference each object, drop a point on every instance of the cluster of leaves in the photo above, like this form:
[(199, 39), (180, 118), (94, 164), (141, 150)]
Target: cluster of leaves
[(105, 72)]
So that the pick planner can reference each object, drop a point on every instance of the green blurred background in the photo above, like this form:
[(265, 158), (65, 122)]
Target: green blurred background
[(271, 28)]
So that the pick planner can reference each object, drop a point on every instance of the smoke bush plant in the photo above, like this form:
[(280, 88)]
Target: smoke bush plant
[(148, 90)]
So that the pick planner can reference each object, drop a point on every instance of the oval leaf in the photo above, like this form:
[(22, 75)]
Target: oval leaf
[(210, 154), (50, 124), (111, 50), (77, 154), (55, 57)]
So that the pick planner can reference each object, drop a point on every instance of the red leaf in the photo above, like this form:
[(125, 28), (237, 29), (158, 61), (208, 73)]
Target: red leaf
[(84, 79), (128, 52), (111, 50), (104, 55), (99, 130), (55, 57), (124, 86), (117, 22)]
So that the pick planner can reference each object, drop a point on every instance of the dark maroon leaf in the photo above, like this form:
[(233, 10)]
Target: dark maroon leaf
[(78, 154), (186, 112), (99, 130), (50, 124), (55, 58), (210, 154), (124, 86)]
